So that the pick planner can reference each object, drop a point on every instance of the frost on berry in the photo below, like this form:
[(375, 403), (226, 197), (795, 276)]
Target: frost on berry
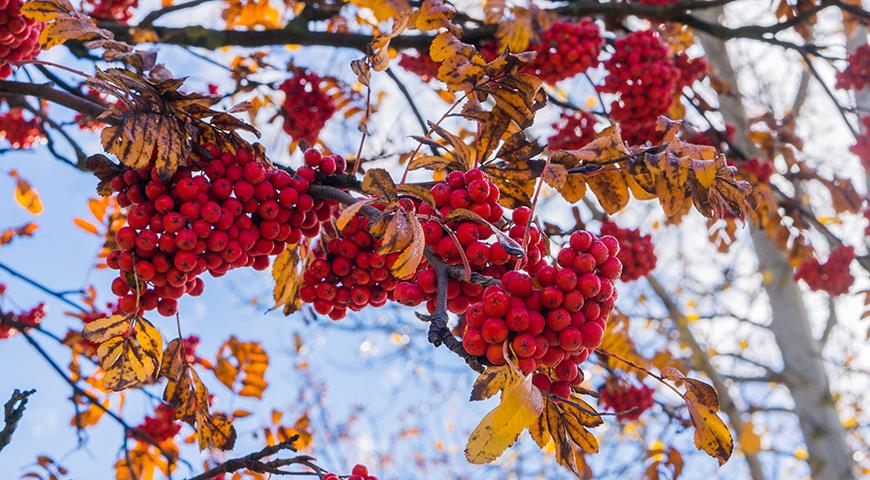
[(19, 36), (645, 78), (833, 276), (636, 251), (856, 75), (223, 211), (573, 130), (19, 132), (420, 64), (628, 401), (306, 107)]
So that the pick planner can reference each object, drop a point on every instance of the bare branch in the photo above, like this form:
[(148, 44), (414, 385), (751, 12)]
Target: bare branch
[(13, 411)]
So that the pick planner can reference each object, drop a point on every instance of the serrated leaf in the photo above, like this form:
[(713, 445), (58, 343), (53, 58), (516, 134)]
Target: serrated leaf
[(491, 381), (45, 10), (499, 429), (102, 329)]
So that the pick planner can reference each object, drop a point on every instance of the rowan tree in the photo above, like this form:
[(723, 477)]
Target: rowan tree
[(634, 230)]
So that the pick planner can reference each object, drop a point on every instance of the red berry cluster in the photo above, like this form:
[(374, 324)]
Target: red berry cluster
[(420, 64), (350, 274), (856, 75), (862, 145), (636, 251), (832, 276), (19, 36), (32, 317), (19, 132), (551, 319), (228, 212), (621, 397), (691, 69), (306, 106), (471, 190), (120, 10), (573, 130), (566, 49), (644, 76), (757, 170), (162, 426), (359, 472)]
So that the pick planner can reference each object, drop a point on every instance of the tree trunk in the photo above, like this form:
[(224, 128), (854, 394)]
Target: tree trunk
[(803, 370)]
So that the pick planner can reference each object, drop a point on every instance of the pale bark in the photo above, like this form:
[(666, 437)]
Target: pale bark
[(803, 369)]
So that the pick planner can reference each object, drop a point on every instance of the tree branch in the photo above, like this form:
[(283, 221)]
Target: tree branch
[(48, 92), (13, 411), (254, 463)]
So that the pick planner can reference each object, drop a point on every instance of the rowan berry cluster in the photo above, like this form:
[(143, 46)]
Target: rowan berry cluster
[(420, 64), (566, 49), (856, 75), (120, 10), (644, 76), (21, 133), (359, 472), (573, 130), (550, 318), (628, 401), (636, 252), (32, 317), (306, 106), (691, 69), (225, 212), (349, 274), (861, 149), (19, 36), (832, 276), (160, 427), (759, 171), (471, 190)]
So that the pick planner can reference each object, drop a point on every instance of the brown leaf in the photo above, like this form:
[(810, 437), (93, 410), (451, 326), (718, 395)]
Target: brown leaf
[(702, 393), (377, 181), (491, 381), (406, 263)]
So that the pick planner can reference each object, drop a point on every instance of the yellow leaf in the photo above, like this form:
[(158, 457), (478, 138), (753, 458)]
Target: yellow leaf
[(491, 381), (251, 361), (711, 434), (749, 441), (26, 196), (214, 430), (499, 429), (105, 328), (287, 272), (45, 11)]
